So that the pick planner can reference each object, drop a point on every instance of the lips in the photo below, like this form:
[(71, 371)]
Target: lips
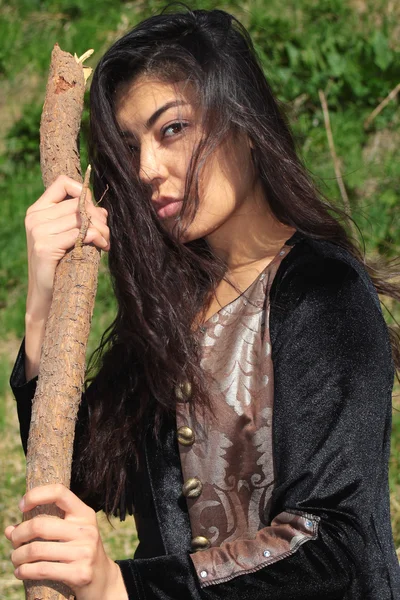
[(164, 200), (167, 206)]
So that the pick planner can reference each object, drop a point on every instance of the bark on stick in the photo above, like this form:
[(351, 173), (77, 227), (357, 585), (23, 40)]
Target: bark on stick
[(62, 362)]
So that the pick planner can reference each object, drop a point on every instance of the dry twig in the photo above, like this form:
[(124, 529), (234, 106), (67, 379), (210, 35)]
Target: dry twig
[(381, 106), (334, 156)]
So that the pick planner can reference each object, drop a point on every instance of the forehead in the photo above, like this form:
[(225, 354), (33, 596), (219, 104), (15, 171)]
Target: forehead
[(137, 101)]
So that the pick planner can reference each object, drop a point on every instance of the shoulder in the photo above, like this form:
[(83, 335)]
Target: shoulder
[(320, 263), (319, 277)]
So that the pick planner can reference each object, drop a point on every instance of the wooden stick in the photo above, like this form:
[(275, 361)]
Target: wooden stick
[(334, 156), (63, 356), (381, 106)]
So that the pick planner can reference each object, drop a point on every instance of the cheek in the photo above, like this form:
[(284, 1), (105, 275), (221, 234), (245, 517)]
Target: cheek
[(222, 191), (215, 208)]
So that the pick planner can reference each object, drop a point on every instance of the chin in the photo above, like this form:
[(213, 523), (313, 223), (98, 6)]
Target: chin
[(198, 228)]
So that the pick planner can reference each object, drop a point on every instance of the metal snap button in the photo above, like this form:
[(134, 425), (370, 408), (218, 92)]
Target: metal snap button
[(183, 391), (192, 487), (200, 543), (185, 436), (308, 524)]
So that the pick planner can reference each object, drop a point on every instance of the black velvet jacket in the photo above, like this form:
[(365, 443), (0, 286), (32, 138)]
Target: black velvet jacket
[(333, 380)]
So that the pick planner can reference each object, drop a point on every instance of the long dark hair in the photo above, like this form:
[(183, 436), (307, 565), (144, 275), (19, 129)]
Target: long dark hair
[(161, 284)]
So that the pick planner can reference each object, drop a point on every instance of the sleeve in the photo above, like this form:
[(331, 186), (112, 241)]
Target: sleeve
[(333, 378), (24, 392)]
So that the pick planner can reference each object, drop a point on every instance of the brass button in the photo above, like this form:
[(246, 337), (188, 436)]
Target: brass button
[(200, 543), (183, 391), (192, 488), (185, 436)]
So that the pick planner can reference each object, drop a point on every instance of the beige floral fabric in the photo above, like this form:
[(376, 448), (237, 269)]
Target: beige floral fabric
[(229, 464), (232, 455)]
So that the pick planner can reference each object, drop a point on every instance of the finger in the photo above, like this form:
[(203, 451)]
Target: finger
[(94, 237), (71, 221), (100, 225), (58, 494), (50, 529), (62, 187), (8, 531), (48, 551), (99, 213), (73, 575), (54, 227), (53, 248), (67, 207)]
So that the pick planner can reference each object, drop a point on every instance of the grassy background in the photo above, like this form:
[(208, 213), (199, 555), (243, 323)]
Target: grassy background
[(348, 48)]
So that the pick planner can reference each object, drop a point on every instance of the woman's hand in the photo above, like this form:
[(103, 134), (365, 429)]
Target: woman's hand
[(52, 226), (70, 549)]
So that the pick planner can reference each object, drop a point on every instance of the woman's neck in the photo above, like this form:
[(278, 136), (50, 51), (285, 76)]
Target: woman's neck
[(250, 236)]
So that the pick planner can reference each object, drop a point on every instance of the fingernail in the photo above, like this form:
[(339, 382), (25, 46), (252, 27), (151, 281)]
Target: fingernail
[(21, 504), (16, 572)]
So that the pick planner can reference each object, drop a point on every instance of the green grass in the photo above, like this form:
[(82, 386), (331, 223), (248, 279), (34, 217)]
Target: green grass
[(4, 387)]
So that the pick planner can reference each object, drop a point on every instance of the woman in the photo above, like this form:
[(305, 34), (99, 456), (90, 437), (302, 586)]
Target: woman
[(241, 407)]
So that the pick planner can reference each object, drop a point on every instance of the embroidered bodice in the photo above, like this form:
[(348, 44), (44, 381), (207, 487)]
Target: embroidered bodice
[(227, 461)]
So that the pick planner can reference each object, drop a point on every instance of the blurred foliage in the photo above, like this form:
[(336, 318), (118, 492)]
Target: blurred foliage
[(22, 140), (305, 45), (4, 387), (351, 51)]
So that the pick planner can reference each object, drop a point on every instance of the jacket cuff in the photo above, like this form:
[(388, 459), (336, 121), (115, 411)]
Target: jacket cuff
[(24, 391), (287, 532), (130, 580), (22, 388), (161, 577)]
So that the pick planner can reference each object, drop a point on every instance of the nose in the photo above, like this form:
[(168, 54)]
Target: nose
[(151, 163)]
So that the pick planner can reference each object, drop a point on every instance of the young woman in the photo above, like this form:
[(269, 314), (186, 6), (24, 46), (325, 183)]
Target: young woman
[(241, 405)]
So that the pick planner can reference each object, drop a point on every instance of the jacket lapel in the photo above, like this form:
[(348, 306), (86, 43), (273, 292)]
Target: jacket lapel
[(165, 477)]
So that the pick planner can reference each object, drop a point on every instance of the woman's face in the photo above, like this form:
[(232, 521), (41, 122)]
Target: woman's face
[(161, 123)]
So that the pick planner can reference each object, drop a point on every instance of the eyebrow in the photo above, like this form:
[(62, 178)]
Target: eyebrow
[(158, 114)]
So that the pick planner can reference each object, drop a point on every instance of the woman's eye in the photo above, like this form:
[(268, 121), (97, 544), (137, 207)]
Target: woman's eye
[(178, 125), (176, 128)]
